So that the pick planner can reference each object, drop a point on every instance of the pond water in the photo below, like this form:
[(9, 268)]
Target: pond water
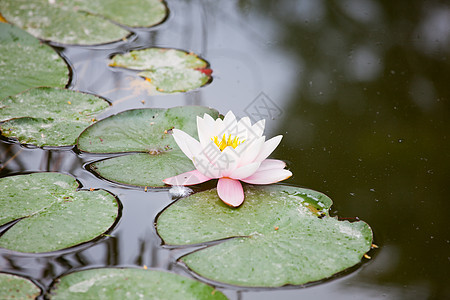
[(359, 90)]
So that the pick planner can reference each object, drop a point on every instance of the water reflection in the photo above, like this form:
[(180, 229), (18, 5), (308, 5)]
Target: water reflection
[(367, 125)]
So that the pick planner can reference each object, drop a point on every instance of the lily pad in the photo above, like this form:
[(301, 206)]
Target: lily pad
[(49, 116), (25, 62), (82, 21), (15, 287), (143, 169), (110, 283), (142, 130), (51, 213), (280, 235), (168, 70)]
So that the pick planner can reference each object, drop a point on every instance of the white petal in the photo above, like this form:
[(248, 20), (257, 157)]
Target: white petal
[(268, 176), (248, 151), (227, 161), (204, 166), (187, 143), (268, 147), (205, 130), (270, 164), (258, 129), (242, 129), (245, 171)]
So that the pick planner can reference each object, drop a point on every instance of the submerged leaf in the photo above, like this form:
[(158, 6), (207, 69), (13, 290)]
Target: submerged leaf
[(52, 214), (49, 116), (168, 70), (109, 283), (284, 236), (25, 62), (82, 21)]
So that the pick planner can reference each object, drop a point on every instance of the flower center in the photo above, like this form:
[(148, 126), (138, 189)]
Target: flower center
[(225, 142)]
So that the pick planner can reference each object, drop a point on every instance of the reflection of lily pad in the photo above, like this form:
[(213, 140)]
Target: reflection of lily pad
[(25, 62), (15, 287), (142, 130), (285, 236), (109, 283), (168, 70), (52, 214), (49, 116), (82, 21)]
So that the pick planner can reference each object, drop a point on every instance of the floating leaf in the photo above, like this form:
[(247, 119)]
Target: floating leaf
[(143, 169), (25, 62), (142, 130), (109, 283), (168, 70), (283, 236), (49, 116), (51, 213), (82, 21), (15, 287)]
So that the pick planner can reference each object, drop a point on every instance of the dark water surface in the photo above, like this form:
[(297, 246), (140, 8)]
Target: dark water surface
[(360, 91)]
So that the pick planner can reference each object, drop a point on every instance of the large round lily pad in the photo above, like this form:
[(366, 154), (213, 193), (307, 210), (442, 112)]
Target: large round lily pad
[(25, 62), (15, 287), (49, 116), (110, 283), (167, 70), (142, 130), (284, 236), (51, 213), (82, 21)]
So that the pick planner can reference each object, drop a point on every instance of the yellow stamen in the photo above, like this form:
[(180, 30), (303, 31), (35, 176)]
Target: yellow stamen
[(224, 142)]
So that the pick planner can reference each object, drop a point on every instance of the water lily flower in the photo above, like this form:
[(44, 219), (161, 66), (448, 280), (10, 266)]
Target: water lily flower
[(231, 151)]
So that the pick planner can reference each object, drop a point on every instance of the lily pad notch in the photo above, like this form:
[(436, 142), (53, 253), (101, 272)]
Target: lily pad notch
[(281, 235)]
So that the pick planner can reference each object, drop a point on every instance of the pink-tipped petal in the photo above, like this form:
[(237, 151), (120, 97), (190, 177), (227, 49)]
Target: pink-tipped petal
[(269, 164), (187, 143), (268, 176), (188, 178), (268, 147), (245, 171), (230, 191)]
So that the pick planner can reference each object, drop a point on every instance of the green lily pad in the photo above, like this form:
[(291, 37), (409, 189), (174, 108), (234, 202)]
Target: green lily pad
[(51, 213), (25, 62), (15, 287), (143, 169), (283, 236), (49, 116), (142, 130), (110, 283), (168, 70), (82, 21)]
